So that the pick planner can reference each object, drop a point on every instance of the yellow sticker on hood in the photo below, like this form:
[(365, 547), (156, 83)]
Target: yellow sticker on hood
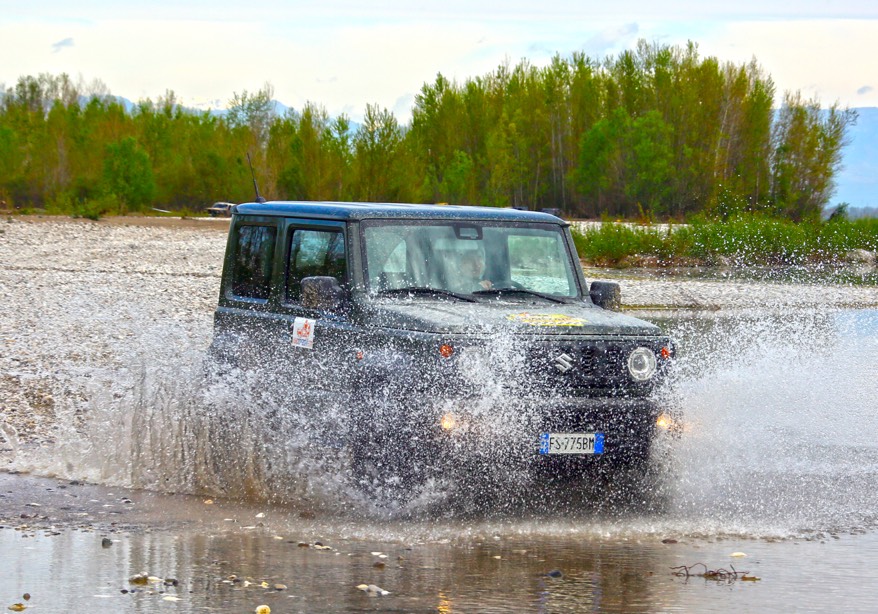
[(546, 319)]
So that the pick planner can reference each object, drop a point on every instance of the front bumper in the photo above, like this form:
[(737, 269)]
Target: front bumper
[(506, 437)]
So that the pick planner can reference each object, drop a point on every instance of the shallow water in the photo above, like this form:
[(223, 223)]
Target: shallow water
[(220, 563), (777, 459)]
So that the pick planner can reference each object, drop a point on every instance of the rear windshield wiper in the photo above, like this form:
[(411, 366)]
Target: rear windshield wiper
[(422, 290), (499, 291)]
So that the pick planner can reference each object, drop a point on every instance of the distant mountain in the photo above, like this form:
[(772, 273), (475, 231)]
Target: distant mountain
[(279, 107)]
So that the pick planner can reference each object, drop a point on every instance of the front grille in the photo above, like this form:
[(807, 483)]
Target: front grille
[(589, 366)]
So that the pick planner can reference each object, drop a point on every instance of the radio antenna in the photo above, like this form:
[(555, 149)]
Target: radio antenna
[(259, 199)]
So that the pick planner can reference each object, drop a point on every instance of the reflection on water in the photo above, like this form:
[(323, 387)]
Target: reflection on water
[(225, 572)]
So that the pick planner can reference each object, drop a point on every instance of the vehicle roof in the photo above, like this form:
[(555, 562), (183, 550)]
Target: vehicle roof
[(360, 211)]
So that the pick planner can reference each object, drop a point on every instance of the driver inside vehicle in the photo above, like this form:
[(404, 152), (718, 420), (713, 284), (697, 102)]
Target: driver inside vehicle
[(472, 271)]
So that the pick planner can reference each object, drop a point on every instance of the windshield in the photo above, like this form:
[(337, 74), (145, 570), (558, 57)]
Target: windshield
[(468, 258)]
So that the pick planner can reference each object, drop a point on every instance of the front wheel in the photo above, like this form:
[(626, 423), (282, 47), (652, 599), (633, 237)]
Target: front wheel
[(391, 459)]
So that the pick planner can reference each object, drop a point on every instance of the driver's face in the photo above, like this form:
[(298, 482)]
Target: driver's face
[(473, 265)]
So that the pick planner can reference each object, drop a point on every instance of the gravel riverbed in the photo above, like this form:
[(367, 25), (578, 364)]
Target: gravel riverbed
[(77, 293)]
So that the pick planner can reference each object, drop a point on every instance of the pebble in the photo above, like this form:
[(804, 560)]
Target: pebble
[(144, 578), (373, 590)]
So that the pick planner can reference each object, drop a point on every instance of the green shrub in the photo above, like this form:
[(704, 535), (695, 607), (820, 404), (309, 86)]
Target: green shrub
[(96, 208), (743, 239)]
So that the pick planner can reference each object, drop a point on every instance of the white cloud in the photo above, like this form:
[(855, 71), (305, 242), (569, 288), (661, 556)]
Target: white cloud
[(611, 40), (344, 55), (67, 42), (825, 59)]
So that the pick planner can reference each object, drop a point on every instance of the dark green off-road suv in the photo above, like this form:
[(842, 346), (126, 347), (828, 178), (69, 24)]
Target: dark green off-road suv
[(446, 341)]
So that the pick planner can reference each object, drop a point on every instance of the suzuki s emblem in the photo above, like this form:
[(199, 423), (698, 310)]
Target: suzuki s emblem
[(564, 363)]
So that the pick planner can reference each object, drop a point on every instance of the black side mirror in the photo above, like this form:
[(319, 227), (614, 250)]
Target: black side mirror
[(323, 293), (606, 295)]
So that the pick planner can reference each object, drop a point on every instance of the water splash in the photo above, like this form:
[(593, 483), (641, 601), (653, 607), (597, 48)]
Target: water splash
[(779, 423), (778, 441)]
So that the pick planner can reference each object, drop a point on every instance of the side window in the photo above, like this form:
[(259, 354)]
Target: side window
[(254, 257), (314, 253)]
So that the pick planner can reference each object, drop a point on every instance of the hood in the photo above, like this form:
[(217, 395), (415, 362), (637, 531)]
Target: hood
[(486, 317)]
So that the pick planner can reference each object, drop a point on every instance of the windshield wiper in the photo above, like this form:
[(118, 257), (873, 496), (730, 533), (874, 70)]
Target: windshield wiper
[(499, 291), (422, 290)]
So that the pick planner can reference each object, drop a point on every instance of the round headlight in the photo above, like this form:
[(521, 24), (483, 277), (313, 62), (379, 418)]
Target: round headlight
[(641, 364)]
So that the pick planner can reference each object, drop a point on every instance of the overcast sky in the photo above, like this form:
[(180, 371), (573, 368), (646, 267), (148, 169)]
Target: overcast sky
[(345, 54)]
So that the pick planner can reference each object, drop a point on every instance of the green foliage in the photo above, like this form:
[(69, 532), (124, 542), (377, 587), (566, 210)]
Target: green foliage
[(378, 147), (457, 183), (658, 132), (92, 207), (128, 175), (612, 243), (742, 240), (807, 143), (628, 161), (839, 213), (253, 112)]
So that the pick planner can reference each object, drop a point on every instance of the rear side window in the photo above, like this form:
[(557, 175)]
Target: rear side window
[(254, 257), (314, 253)]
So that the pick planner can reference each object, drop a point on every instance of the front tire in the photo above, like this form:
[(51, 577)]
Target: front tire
[(390, 457)]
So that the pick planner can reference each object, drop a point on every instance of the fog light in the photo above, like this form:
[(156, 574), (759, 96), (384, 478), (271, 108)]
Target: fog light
[(670, 422), (664, 421), (448, 422)]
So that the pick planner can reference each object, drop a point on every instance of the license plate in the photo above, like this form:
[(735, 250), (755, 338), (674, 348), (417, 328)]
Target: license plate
[(571, 443)]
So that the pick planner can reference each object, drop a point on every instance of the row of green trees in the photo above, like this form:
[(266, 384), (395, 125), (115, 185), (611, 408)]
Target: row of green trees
[(656, 132)]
